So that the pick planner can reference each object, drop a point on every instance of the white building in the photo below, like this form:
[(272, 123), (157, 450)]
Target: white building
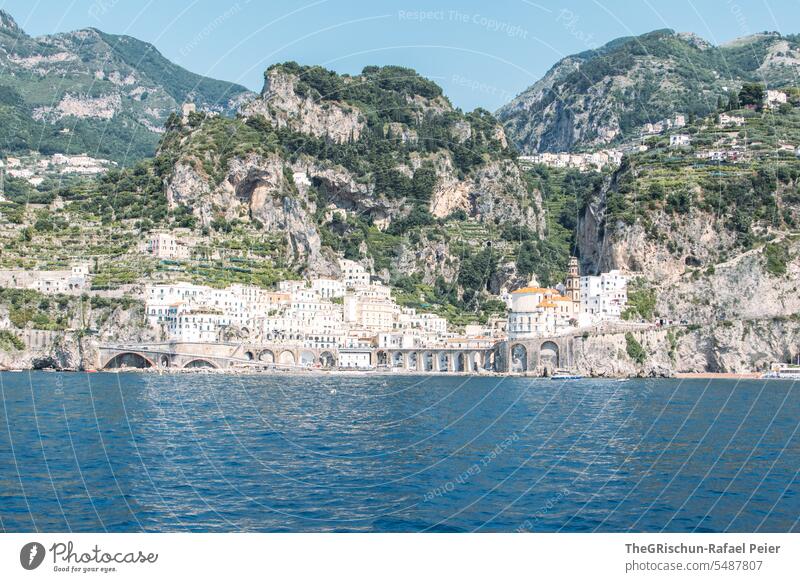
[(165, 245), (679, 140), (356, 358), (735, 120), (353, 274), (328, 288), (774, 98), (538, 311), (196, 325), (74, 280), (603, 297)]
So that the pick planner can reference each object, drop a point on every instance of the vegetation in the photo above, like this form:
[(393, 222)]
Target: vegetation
[(655, 76), (160, 85), (777, 258), (634, 349), (641, 301), (9, 341)]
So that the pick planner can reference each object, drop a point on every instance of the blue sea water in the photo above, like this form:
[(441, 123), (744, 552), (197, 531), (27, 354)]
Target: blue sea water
[(141, 452)]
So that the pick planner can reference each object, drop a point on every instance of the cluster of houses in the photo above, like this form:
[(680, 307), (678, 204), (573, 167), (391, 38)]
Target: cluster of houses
[(664, 125), (355, 311), (583, 162), (35, 167), (351, 311), (72, 281), (583, 301)]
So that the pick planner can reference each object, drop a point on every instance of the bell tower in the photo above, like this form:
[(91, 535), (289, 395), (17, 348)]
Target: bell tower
[(574, 286)]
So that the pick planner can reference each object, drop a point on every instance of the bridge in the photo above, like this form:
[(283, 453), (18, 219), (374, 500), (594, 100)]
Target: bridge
[(534, 356), (189, 355)]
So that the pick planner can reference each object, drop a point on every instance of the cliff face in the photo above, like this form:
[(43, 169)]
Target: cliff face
[(596, 97), (281, 104), (732, 347), (322, 159), (74, 350), (714, 250)]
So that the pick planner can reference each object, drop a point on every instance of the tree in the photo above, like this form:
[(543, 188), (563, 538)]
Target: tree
[(733, 102), (752, 94)]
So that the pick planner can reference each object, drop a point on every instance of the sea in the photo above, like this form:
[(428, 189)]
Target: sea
[(139, 452)]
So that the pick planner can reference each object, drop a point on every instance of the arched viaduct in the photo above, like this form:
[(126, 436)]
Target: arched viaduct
[(539, 357)]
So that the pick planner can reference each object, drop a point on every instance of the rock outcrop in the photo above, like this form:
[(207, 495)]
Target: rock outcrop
[(596, 97), (329, 180), (280, 103)]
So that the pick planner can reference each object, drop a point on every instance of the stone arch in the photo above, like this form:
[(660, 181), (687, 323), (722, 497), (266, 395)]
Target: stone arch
[(519, 358), (427, 361), (327, 360), (443, 361), (163, 361), (266, 356), (398, 360), (476, 362), (548, 356), (460, 363), (411, 361), (129, 360), (249, 355), (199, 363), (382, 358), (287, 357), (307, 358)]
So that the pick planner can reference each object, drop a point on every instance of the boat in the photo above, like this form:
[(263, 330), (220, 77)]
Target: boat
[(565, 375), (782, 372)]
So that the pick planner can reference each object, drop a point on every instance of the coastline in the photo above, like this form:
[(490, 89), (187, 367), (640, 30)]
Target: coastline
[(719, 375), (317, 372)]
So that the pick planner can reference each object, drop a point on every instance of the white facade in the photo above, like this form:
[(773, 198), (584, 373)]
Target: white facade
[(73, 280), (736, 120), (538, 311), (196, 325), (774, 98), (679, 140), (355, 358), (164, 245), (328, 288), (603, 297), (353, 274)]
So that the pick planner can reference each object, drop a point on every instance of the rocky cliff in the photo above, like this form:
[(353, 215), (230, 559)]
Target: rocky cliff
[(737, 347), (72, 349), (355, 165), (601, 96)]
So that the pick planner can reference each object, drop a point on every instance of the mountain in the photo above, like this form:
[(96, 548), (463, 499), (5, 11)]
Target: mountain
[(377, 167), (711, 230), (88, 91), (605, 96)]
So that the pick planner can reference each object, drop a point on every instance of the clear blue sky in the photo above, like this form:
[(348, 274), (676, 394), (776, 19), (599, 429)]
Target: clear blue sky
[(482, 53)]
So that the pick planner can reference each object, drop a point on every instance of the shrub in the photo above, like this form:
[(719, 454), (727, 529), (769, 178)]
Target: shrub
[(634, 348), (8, 341), (777, 256)]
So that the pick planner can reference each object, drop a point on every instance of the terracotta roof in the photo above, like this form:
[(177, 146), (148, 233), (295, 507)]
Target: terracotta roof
[(546, 303)]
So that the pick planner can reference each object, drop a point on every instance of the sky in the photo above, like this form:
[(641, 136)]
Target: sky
[(481, 53)]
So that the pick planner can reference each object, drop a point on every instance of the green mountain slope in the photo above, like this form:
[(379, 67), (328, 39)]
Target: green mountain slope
[(604, 96), (377, 167), (87, 91)]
